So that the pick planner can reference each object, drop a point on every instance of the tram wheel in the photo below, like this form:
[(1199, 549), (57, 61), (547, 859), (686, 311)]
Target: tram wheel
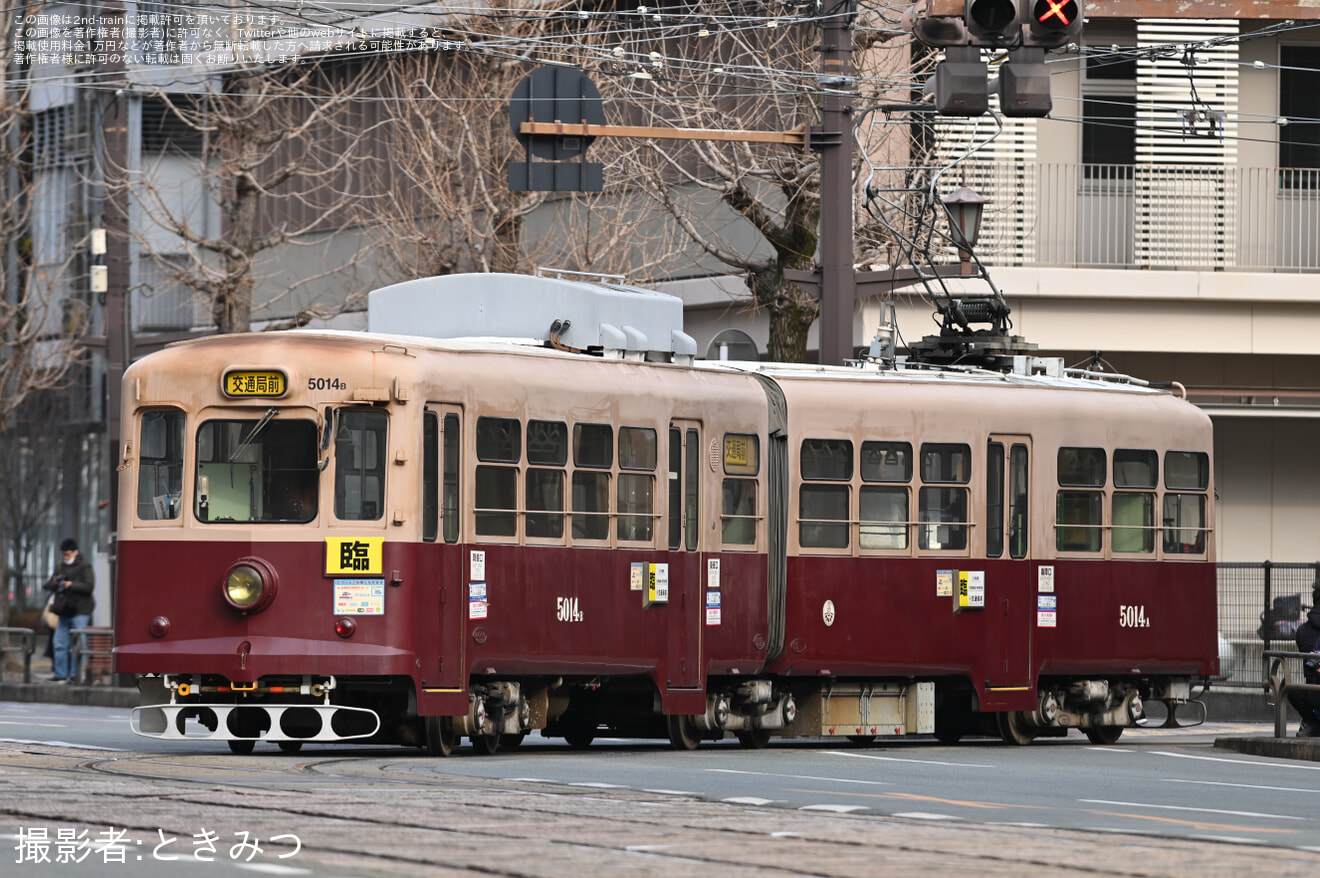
[(862, 740), (440, 736), (508, 742), (683, 732), (1104, 734), (1014, 728), (487, 744), (753, 739), (290, 746), (243, 747), (948, 734)]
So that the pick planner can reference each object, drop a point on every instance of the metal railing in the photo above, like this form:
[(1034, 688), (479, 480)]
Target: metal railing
[(1261, 605), (1279, 687), (90, 651), (27, 644), (1191, 217)]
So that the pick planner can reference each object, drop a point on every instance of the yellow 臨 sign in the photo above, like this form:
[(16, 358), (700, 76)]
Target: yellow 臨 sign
[(354, 555), (248, 382)]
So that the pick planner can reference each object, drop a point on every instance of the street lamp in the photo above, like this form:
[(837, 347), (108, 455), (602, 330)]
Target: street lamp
[(964, 207)]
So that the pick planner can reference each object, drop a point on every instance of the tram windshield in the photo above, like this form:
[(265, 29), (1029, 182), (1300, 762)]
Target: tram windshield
[(261, 469)]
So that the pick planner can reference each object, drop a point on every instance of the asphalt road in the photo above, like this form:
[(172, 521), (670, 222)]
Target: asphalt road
[(1158, 802)]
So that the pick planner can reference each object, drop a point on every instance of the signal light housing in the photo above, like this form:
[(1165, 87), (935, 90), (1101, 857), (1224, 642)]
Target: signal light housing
[(1053, 23), (992, 22)]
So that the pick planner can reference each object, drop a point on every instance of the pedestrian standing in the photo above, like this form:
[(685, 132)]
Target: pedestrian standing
[(75, 580)]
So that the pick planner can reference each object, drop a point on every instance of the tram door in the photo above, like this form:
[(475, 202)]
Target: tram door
[(684, 520), (443, 552), (1011, 597)]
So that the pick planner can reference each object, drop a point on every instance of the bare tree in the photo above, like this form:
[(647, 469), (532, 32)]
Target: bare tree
[(39, 321), (749, 74), (275, 151)]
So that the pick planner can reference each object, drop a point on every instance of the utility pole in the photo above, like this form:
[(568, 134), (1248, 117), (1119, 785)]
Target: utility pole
[(834, 141)]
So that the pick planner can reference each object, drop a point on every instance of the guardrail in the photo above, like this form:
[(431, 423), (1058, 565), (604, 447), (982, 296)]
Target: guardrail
[(27, 644), (90, 650), (1280, 687)]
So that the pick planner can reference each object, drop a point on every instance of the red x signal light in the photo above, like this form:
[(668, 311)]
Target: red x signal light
[(1055, 22)]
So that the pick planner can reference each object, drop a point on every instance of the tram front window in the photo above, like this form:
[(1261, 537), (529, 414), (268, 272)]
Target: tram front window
[(256, 470)]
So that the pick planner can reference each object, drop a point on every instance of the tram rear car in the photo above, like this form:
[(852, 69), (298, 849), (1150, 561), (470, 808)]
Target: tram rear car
[(349, 537)]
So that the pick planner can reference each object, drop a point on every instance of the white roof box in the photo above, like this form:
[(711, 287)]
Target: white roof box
[(618, 320)]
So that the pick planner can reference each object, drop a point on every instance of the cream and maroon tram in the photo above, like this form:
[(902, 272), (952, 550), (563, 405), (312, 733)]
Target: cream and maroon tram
[(383, 536)]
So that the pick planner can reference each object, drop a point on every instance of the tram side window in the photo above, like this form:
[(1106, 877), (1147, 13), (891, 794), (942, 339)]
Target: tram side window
[(547, 446), (449, 488), (160, 465), (823, 508), (1184, 513), (1080, 513), (942, 510), (360, 466), (1132, 507), (884, 507), (742, 457), (499, 440), (593, 455), (430, 477), (637, 453)]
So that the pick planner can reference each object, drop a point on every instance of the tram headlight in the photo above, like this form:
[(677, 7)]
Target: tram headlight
[(250, 585)]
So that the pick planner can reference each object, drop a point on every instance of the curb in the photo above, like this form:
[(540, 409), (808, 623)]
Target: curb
[(1279, 748), (62, 693)]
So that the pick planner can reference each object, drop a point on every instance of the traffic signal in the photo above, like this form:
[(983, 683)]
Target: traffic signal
[(992, 22), (1053, 23), (1024, 83)]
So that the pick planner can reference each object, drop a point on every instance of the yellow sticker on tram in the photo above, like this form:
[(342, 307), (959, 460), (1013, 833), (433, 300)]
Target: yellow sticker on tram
[(344, 555), (249, 382)]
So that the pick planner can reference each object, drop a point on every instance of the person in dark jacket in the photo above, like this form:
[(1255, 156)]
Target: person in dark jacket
[(1307, 704), (76, 579)]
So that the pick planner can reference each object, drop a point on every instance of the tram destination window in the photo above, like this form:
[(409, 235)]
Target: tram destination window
[(1132, 507), (499, 440), (942, 508), (160, 465), (1186, 479), (823, 508), (1080, 513), (637, 457), (742, 457), (259, 469), (884, 507)]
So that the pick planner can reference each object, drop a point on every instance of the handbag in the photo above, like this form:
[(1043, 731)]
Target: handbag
[(62, 605), (48, 616)]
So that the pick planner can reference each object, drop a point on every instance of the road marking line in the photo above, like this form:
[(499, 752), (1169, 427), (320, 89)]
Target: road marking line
[(1197, 810), (42, 725), (880, 783), (1291, 765), (1230, 839), (835, 809), (62, 744), (672, 792), (898, 759), (924, 815), (1245, 786), (272, 869), (599, 786), (748, 800)]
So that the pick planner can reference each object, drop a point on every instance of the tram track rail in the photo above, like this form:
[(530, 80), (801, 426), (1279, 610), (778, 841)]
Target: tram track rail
[(401, 822)]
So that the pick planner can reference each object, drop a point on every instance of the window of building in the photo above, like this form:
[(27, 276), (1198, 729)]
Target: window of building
[(1109, 102), (1299, 99)]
